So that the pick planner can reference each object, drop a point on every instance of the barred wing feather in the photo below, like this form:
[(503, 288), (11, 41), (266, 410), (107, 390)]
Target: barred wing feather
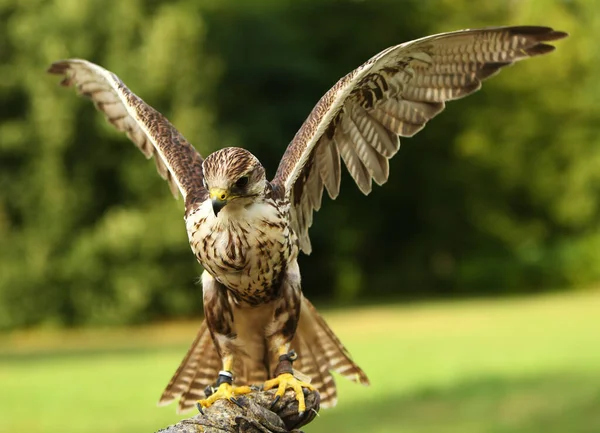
[(393, 94), (176, 160)]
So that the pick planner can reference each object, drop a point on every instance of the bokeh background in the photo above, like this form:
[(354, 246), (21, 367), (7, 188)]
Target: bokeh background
[(467, 287)]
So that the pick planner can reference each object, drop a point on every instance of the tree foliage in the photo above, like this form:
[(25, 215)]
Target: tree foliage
[(499, 194)]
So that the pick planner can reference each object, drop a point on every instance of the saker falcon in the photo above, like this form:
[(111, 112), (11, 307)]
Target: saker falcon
[(247, 231)]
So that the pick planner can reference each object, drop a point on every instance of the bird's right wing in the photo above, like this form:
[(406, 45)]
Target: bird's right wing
[(176, 160)]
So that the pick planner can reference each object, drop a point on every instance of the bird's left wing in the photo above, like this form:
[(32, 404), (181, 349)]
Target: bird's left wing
[(176, 160), (393, 94)]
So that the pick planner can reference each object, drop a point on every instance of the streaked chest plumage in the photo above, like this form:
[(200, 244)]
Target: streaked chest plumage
[(245, 247)]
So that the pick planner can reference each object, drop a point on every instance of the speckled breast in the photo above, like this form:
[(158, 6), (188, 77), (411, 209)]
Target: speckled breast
[(245, 248)]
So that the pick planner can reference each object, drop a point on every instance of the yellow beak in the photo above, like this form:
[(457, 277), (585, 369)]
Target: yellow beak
[(219, 198)]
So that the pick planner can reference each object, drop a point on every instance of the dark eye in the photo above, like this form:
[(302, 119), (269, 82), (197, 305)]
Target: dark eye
[(241, 182)]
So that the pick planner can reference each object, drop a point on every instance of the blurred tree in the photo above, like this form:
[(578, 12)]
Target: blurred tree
[(89, 232), (499, 194)]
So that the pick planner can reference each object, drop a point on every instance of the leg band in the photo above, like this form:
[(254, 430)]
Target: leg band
[(285, 363), (224, 377)]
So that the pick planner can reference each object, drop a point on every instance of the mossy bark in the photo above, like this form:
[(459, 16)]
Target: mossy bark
[(254, 413)]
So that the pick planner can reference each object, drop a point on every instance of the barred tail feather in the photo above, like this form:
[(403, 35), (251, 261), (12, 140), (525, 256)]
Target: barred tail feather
[(198, 369), (312, 363), (248, 371), (320, 352)]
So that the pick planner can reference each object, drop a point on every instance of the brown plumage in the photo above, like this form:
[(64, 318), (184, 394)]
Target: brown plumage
[(395, 93), (247, 231)]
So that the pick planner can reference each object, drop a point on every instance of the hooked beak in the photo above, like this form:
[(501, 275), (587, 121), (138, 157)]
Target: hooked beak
[(219, 198)]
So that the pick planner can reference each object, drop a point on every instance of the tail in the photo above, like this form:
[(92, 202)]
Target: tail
[(320, 352), (198, 369)]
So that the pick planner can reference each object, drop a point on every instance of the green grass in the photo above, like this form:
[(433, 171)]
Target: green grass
[(518, 365)]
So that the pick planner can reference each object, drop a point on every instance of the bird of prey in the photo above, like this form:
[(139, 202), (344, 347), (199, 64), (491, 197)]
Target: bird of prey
[(247, 231)]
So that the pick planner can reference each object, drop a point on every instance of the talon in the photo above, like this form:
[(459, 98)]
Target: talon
[(285, 381), (277, 398), (235, 400), (225, 391), (199, 407)]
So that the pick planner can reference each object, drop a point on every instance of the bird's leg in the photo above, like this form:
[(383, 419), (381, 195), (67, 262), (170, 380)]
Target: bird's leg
[(223, 388), (282, 330), (219, 318), (285, 379)]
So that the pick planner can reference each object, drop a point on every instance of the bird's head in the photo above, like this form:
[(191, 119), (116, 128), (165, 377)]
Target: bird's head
[(233, 175)]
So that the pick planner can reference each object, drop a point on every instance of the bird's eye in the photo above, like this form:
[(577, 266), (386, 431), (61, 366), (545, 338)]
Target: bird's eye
[(241, 182)]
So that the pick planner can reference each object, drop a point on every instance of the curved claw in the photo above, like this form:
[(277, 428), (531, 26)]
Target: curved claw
[(224, 392), (277, 398), (285, 381), (235, 400)]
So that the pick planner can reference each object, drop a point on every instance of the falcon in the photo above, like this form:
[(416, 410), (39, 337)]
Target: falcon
[(247, 231)]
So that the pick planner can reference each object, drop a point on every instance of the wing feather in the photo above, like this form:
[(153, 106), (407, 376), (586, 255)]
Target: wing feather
[(403, 117), (330, 169), (393, 94), (176, 160), (370, 143), (346, 144)]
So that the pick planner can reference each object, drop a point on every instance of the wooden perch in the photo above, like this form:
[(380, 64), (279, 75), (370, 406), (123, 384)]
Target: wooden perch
[(255, 414)]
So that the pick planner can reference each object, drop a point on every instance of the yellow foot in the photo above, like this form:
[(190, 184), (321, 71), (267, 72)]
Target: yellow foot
[(285, 381), (225, 391)]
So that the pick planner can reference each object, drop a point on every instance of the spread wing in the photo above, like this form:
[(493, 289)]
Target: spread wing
[(176, 160), (393, 94)]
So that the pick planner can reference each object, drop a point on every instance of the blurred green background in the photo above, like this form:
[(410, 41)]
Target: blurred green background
[(498, 197)]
